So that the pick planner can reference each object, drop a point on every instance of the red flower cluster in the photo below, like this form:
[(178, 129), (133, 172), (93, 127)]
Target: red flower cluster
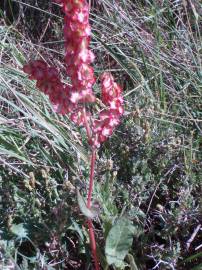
[(48, 82), (78, 57), (110, 117)]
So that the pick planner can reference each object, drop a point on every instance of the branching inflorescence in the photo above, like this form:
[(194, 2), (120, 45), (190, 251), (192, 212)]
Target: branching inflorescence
[(73, 99)]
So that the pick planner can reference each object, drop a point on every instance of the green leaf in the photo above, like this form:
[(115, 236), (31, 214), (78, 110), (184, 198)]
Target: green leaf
[(131, 260), (11, 149), (89, 213), (119, 241), (198, 267), (19, 230), (193, 257)]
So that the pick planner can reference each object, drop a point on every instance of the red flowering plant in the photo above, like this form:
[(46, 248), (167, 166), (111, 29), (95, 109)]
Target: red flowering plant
[(73, 99)]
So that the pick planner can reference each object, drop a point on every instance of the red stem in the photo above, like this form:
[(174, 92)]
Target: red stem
[(88, 131), (92, 169), (93, 244), (90, 224), (89, 198)]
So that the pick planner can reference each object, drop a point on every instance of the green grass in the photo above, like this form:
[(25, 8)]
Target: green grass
[(149, 172)]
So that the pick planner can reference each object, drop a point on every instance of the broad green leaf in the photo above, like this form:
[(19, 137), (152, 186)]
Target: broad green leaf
[(89, 213), (119, 241)]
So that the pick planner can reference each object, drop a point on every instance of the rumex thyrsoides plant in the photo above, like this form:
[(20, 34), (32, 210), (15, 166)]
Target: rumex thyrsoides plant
[(73, 100)]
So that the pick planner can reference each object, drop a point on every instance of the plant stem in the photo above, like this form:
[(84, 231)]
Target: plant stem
[(92, 169), (90, 191), (90, 224), (93, 244), (88, 131)]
